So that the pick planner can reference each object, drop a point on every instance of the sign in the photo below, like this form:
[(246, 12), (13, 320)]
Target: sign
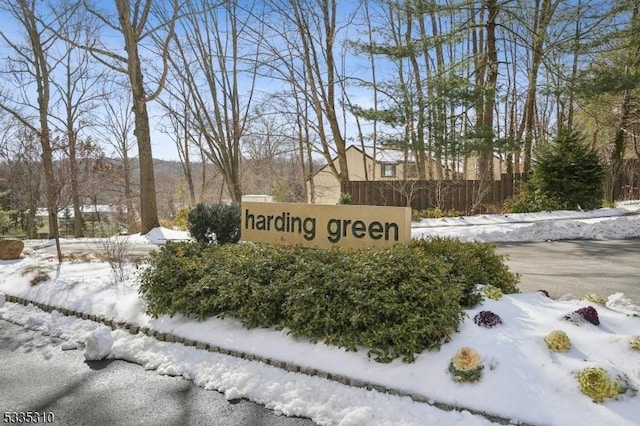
[(314, 225)]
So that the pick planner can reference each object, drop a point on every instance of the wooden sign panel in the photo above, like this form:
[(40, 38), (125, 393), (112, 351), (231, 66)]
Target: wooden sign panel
[(314, 225)]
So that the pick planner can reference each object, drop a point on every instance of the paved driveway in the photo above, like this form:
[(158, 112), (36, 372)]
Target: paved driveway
[(578, 267), (37, 375)]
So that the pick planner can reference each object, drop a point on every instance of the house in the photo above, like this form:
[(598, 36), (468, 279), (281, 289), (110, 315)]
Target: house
[(89, 211), (472, 172), (93, 214), (385, 165), (390, 165)]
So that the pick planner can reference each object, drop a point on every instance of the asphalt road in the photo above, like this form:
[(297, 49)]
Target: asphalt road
[(578, 267), (37, 375)]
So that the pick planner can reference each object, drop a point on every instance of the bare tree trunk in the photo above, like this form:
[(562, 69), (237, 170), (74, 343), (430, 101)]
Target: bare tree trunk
[(486, 157), (128, 192), (118, 126), (437, 112), (50, 183), (148, 204), (543, 14), (77, 93), (626, 102), (133, 29), (75, 190), (417, 146), (318, 61), (25, 12)]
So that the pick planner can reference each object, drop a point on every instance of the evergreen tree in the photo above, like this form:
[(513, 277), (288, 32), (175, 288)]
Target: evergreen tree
[(217, 223), (568, 174)]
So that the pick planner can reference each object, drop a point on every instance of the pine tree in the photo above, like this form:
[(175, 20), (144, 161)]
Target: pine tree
[(569, 174)]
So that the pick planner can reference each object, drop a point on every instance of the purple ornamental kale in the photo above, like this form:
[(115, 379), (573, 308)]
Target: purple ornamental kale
[(487, 319), (590, 314)]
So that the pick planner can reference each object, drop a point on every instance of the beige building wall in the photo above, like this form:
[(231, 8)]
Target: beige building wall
[(357, 165), (471, 168), (327, 186)]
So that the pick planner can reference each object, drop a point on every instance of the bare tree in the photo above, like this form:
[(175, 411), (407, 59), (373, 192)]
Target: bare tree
[(271, 150), (31, 69), (116, 129), (78, 96), (217, 65), (301, 51), (138, 22), (183, 133), (630, 66), (21, 153), (541, 19), (486, 76)]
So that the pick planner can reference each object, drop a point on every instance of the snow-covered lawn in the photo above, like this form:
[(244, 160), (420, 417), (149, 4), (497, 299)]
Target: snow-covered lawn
[(522, 379)]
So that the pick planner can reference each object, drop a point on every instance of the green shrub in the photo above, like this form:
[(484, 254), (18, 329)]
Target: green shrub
[(248, 282), (199, 223), (567, 175), (167, 273), (345, 198), (5, 221), (472, 264), (219, 223), (530, 199), (570, 173), (395, 302), (182, 219), (434, 213)]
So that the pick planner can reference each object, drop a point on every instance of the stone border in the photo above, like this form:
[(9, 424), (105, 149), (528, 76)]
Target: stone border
[(293, 368)]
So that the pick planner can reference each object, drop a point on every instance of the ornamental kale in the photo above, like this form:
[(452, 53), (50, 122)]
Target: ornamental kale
[(487, 319), (466, 365), (492, 292), (590, 314), (558, 341), (596, 383)]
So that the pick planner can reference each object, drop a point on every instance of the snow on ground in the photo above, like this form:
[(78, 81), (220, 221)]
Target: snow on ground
[(522, 380), (620, 222), (160, 236)]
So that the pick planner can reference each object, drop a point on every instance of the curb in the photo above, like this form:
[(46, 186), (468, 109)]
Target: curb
[(287, 366)]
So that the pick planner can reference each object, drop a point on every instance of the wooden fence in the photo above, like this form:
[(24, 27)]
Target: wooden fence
[(623, 180), (474, 196), (459, 195)]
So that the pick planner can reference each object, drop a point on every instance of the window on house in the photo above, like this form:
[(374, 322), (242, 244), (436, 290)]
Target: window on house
[(388, 170)]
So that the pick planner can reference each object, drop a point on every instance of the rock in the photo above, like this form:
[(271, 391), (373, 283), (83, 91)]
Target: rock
[(10, 248), (69, 346)]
